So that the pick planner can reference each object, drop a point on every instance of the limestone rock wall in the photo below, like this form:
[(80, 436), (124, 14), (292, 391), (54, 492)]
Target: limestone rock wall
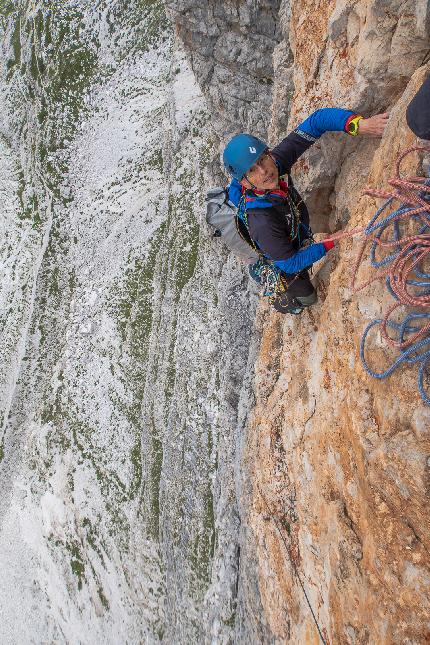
[(334, 464), (355, 55), (340, 460), (230, 45)]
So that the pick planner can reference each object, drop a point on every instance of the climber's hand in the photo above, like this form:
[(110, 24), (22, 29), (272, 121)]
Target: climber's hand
[(374, 126)]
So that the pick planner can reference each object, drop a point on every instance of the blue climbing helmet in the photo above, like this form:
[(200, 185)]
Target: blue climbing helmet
[(241, 153)]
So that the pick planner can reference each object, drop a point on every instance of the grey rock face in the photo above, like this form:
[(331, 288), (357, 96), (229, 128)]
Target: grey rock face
[(357, 55), (126, 335), (230, 46)]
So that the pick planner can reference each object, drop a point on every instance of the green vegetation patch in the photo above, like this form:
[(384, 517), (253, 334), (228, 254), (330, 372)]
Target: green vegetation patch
[(11, 63), (76, 563), (186, 259), (146, 18), (202, 546), (155, 161), (152, 486), (132, 307), (132, 301), (52, 63), (7, 7)]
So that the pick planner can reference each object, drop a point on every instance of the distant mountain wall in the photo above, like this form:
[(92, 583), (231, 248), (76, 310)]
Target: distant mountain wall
[(169, 444), (125, 336)]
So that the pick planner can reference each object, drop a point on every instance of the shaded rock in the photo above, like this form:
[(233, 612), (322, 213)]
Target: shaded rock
[(230, 46)]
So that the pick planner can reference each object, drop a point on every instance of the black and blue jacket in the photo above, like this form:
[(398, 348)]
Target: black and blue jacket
[(271, 223)]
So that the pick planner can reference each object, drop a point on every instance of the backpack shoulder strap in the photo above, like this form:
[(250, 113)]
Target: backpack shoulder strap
[(243, 227)]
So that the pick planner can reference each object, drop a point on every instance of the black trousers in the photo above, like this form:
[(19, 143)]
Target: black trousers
[(418, 111), (299, 284), (299, 294)]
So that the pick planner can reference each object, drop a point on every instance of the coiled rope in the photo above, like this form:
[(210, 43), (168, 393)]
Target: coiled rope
[(405, 233)]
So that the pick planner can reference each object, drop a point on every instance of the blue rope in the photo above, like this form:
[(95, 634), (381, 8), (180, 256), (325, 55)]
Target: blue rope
[(410, 355), (419, 352)]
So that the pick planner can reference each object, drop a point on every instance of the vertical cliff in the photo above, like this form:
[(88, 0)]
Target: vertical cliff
[(341, 460), (334, 478), (230, 45)]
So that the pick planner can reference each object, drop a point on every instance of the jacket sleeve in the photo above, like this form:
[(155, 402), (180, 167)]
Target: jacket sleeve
[(273, 239), (418, 112), (302, 259), (305, 135)]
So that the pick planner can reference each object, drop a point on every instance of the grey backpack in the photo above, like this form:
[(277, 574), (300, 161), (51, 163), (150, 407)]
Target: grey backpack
[(221, 215)]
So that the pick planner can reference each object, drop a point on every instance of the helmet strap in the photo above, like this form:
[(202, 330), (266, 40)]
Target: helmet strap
[(253, 186)]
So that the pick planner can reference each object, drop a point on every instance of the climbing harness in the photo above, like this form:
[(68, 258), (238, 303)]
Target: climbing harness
[(276, 285), (296, 224), (293, 564), (268, 275), (405, 233)]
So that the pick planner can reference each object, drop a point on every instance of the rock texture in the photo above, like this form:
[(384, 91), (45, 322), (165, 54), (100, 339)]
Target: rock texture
[(125, 337), (142, 500), (230, 46), (335, 465), (356, 55), (341, 461)]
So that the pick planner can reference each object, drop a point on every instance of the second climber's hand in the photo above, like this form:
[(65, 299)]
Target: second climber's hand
[(374, 125)]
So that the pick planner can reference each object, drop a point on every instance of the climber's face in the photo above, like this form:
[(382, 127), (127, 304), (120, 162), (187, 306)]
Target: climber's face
[(263, 175)]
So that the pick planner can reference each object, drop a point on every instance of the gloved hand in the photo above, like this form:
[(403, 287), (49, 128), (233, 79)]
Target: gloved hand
[(328, 244)]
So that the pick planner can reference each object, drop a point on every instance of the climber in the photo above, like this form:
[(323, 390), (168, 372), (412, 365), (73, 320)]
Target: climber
[(275, 215), (418, 112)]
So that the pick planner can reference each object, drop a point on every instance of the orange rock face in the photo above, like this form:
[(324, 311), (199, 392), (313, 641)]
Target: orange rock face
[(341, 461)]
